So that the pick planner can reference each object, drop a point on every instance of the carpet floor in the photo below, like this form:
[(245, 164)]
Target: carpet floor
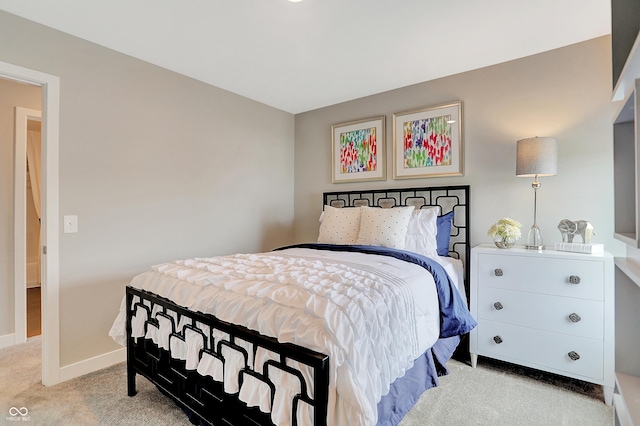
[(495, 393)]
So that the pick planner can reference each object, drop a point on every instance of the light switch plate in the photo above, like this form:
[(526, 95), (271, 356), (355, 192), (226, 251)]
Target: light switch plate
[(70, 224)]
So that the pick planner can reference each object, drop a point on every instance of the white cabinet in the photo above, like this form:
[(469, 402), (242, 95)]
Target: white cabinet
[(625, 49), (627, 391), (626, 153), (625, 46), (549, 310)]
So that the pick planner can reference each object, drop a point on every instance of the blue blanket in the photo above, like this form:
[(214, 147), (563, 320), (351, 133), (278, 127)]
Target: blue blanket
[(455, 318)]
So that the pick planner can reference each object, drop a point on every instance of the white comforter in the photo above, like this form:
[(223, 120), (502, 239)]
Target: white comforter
[(373, 315)]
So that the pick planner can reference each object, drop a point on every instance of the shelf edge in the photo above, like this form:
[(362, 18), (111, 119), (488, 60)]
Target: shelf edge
[(630, 268), (629, 387), (630, 72), (621, 412), (627, 239)]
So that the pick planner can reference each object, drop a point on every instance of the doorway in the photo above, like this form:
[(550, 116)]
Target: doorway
[(27, 219), (33, 169), (50, 276)]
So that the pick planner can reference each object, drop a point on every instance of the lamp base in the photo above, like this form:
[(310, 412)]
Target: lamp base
[(534, 239), (534, 247)]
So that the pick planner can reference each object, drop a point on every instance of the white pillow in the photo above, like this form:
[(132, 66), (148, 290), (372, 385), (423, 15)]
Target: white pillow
[(422, 231), (339, 226), (384, 227)]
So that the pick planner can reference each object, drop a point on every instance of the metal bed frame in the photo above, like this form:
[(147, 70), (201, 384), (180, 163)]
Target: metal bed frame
[(205, 399), (202, 396), (448, 198)]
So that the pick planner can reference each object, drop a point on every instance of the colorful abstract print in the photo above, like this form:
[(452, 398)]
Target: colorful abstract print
[(359, 151), (427, 142)]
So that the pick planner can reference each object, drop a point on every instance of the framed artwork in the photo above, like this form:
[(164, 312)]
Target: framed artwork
[(358, 150), (428, 142)]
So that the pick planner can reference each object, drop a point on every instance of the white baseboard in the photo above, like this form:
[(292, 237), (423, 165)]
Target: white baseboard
[(7, 340), (90, 365)]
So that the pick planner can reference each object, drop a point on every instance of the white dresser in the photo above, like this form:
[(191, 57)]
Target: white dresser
[(549, 310)]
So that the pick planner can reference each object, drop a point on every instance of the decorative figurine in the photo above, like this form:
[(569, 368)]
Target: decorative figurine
[(570, 229)]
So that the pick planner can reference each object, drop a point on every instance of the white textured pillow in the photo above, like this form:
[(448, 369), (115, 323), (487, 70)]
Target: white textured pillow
[(339, 226), (422, 231), (384, 227)]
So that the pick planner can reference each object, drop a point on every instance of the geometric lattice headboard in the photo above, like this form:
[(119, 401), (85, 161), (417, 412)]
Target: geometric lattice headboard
[(449, 198)]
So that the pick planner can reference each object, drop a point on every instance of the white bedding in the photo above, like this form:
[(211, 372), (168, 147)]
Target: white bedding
[(373, 315)]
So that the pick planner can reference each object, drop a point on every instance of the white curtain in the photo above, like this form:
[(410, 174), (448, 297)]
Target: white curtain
[(34, 158)]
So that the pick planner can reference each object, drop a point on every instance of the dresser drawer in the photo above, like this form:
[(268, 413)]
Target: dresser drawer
[(542, 275), (576, 317), (541, 349)]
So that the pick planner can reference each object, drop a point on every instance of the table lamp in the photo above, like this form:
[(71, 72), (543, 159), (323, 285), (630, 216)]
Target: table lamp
[(536, 157)]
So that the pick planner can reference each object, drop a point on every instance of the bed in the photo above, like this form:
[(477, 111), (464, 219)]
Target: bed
[(345, 331)]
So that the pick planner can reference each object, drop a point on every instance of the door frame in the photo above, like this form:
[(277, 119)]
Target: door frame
[(22, 117), (50, 86)]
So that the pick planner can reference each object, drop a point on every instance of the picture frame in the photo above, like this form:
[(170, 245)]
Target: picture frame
[(428, 142), (358, 150)]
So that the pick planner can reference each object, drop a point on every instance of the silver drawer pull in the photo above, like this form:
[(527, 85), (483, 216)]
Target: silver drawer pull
[(498, 272), (574, 279), (574, 317), (498, 306), (574, 356), (497, 339)]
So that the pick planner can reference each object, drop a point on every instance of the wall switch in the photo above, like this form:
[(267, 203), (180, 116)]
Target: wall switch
[(70, 224)]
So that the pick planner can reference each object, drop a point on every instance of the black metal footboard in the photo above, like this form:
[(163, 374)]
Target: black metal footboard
[(234, 348)]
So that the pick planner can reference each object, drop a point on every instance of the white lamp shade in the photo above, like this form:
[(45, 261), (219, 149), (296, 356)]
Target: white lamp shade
[(537, 157)]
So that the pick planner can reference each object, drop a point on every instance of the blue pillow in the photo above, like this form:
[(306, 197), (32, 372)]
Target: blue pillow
[(443, 233)]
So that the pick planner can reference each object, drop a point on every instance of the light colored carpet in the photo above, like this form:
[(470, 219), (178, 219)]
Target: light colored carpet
[(498, 393), (493, 394)]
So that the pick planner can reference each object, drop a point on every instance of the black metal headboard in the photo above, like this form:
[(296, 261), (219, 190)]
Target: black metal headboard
[(449, 198)]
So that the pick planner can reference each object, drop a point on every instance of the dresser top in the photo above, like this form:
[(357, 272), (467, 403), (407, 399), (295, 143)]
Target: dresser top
[(547, 252)]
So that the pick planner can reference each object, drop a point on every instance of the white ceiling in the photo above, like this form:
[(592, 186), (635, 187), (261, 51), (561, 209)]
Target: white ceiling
[(302, 56)]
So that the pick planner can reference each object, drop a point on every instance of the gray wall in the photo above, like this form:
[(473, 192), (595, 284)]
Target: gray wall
[(157, 167), (564, 93), (12, 94)]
